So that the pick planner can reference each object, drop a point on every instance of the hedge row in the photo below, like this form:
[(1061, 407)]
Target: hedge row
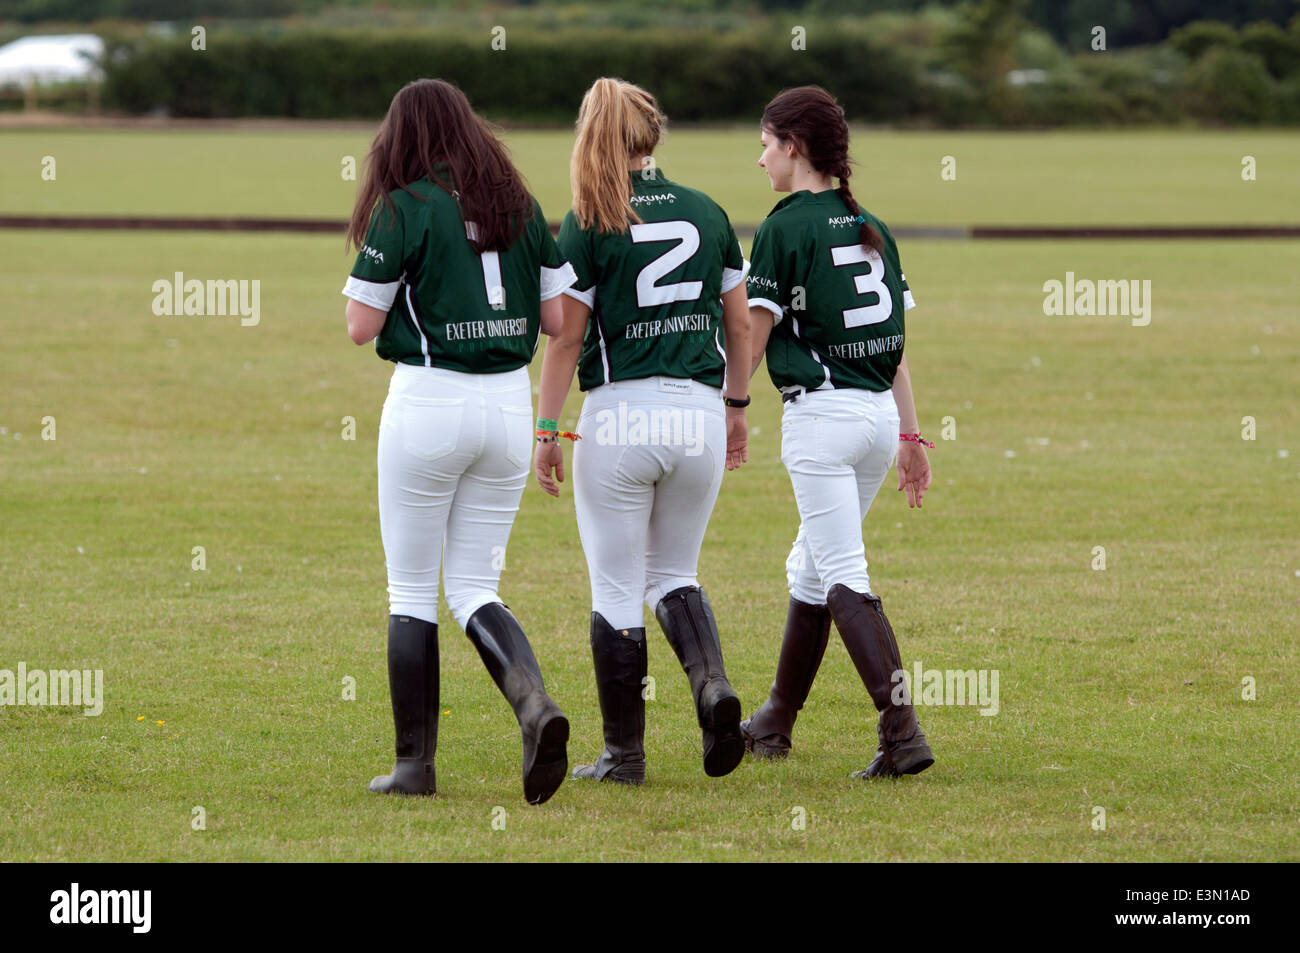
[(697, 76), (324, 75)]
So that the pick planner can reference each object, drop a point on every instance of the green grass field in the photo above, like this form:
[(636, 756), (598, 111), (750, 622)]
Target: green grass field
[(1001, 178), (1119, 689)]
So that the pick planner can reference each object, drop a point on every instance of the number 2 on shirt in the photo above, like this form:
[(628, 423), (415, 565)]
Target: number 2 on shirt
[(648, 293)]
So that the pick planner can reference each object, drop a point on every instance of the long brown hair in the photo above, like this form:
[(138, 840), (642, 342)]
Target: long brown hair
[(813, 119), (617, 122), (429, 124)]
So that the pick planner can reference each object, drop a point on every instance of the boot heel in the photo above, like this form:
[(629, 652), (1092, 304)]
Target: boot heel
[(728, 748), (551, 763), (912, 758)]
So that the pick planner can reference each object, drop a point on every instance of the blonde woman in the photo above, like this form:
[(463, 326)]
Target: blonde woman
[(657, 316)]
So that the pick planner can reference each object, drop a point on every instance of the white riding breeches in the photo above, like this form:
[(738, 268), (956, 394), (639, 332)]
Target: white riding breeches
[(454, 452), (837, 446), (646, 474)]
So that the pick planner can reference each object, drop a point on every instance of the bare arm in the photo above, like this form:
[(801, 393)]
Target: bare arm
[(761, 321), (903, 398), (735, 325), (552, 315), (364, 322), (558, 366), (913, 464)]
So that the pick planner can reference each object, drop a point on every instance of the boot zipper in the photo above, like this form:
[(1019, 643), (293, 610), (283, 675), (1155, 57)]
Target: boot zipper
[(699, 641)]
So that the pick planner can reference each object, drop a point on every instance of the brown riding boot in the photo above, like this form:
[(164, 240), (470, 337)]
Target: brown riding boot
[(807, 628), (871, 644)]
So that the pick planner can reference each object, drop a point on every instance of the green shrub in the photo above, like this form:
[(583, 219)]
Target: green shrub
[(1231, 86), (1200, 36), (697, 76), (1278, 49)]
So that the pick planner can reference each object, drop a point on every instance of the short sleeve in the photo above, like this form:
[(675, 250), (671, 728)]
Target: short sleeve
[(556, 274), (734, 267), (574, 245), (908, 302), (377, 273), (763, 283)]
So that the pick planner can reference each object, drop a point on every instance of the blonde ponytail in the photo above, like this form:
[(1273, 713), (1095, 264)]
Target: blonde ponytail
[(617, 122)]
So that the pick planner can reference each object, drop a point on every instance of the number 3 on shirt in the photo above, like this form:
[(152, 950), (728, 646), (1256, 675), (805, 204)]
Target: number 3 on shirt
[(870, 283)]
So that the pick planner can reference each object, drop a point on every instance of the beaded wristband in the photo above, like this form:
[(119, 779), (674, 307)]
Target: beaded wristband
[(916, 438), (553, 436)]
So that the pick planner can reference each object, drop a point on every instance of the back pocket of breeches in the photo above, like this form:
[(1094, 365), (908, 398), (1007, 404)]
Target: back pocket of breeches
[(519, 434), (431, 425)]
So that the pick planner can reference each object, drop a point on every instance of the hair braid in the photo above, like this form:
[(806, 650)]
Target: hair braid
[(867, 234), (811, 117)]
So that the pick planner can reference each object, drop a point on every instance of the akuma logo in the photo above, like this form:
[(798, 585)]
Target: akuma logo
[(654, 198)]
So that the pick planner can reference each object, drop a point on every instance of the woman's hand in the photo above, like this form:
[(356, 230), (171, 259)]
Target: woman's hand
[(913, 471), (737, 438), (548, 464)]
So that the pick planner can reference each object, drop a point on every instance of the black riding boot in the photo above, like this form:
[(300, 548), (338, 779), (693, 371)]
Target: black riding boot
[(807, 629), (870, 640), (505, 651), (687, 621), (619, 657), (413, 684)]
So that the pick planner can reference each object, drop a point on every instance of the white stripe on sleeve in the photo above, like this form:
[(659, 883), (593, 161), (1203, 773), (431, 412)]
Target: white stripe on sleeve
[(556, 280), (587, 297), (376, 294), (771, 305), (734, 276)]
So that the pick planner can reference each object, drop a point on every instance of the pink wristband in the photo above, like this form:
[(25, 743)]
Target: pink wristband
[(916, 438)]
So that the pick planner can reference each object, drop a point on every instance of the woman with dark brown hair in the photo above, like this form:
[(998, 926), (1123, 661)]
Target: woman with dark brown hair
[(456, 276), (827, 296)]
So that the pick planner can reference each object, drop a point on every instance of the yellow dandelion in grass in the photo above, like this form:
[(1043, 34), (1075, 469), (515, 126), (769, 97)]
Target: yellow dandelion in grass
[(447, 712), (160, 722), (139, 718)]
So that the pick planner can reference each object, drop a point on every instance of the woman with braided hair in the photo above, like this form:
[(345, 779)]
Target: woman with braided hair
[(826, 298)]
